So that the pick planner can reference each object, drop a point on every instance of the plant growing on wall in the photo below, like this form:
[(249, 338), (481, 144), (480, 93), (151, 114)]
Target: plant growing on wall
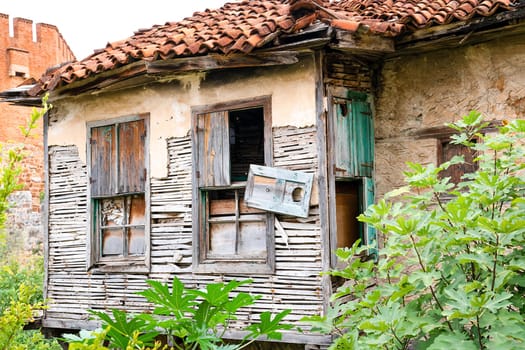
[(451, 273), (20, 282), (10, 162), (189, 318)]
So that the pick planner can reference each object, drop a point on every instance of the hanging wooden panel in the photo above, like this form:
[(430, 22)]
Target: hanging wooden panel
[(103, 161), (131, 163), (214, 149)]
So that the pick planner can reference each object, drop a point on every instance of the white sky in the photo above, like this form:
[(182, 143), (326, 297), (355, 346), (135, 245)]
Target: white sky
[(90, 24)]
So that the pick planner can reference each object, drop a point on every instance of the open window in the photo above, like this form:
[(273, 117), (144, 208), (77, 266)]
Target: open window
[(351, 157), (119, 227), (227, 138)]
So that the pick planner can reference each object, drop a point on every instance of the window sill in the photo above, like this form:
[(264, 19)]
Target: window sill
[(124, 266), (237, 268)]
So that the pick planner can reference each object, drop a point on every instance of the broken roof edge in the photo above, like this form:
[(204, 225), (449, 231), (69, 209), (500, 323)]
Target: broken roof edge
[(474, 31)]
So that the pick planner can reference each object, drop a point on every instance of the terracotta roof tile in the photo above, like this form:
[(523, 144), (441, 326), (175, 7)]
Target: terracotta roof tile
[(250, 24)]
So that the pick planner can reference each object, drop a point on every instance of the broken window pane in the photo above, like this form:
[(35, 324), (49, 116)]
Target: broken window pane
[(222, 239), (112, 242), (113, 212), (138, 210), (253, 239), (136, 245)]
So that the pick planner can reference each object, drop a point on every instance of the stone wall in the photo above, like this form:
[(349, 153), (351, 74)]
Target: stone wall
[(23, 224), (430, 89)]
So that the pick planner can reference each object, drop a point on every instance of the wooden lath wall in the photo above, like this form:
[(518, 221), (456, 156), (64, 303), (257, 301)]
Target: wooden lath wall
[(296, 283)]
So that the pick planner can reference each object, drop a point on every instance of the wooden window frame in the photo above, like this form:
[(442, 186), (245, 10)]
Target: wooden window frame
[(128, 264), (202, 263)]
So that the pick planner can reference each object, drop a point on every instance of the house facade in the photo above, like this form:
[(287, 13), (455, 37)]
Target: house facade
[(243, 142)]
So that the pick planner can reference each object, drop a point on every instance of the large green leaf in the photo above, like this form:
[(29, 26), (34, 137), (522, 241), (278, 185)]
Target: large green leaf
[(175, 302), (268, 326), (448, 341)]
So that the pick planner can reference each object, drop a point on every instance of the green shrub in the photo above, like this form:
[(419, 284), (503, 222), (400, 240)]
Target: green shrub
[(451, 273), (21, 275), (189, 318), (13, 274)]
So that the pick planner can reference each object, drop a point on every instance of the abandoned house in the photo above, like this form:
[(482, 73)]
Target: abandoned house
[(243, 142)]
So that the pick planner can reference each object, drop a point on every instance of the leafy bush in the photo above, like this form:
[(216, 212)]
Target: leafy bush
[(451, 273), (13, 274), (21, 276), (189, 318)]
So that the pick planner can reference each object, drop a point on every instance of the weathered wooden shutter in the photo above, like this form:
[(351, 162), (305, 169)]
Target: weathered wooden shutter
[(456, 171), (132, 172), (369, 234), (361, 139), (354, 137), (214, 149), (103, 161), (342, 120)]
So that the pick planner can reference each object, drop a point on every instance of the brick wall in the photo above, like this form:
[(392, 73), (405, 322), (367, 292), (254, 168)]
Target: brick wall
[(23, 58)]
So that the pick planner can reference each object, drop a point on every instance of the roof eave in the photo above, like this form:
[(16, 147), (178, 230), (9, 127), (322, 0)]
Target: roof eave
[(477, 30), (363, 43), (146, 72)]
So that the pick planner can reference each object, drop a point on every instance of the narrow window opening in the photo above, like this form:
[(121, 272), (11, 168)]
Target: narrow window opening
[(348, 198), (343, 107)]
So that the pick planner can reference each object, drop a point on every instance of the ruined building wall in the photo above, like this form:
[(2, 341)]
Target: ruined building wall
[(427, 90), (22, 58)]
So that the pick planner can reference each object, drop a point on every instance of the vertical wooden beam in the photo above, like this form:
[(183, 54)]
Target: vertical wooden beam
[(330, 139), (147, 190), (45, 209), (321, 116)]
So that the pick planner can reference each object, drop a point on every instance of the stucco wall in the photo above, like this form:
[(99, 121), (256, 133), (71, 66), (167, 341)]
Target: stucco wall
[(169, 104), (430, 89)]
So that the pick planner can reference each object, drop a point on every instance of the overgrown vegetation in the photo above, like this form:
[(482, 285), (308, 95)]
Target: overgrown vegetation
[(188, 318), (21, 273), (451, 273)]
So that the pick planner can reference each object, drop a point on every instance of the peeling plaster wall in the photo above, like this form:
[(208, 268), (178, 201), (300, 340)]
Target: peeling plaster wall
[(431, 89), (169, 105)]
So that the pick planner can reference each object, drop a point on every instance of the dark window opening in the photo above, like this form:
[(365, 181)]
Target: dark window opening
[(246, 141)]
